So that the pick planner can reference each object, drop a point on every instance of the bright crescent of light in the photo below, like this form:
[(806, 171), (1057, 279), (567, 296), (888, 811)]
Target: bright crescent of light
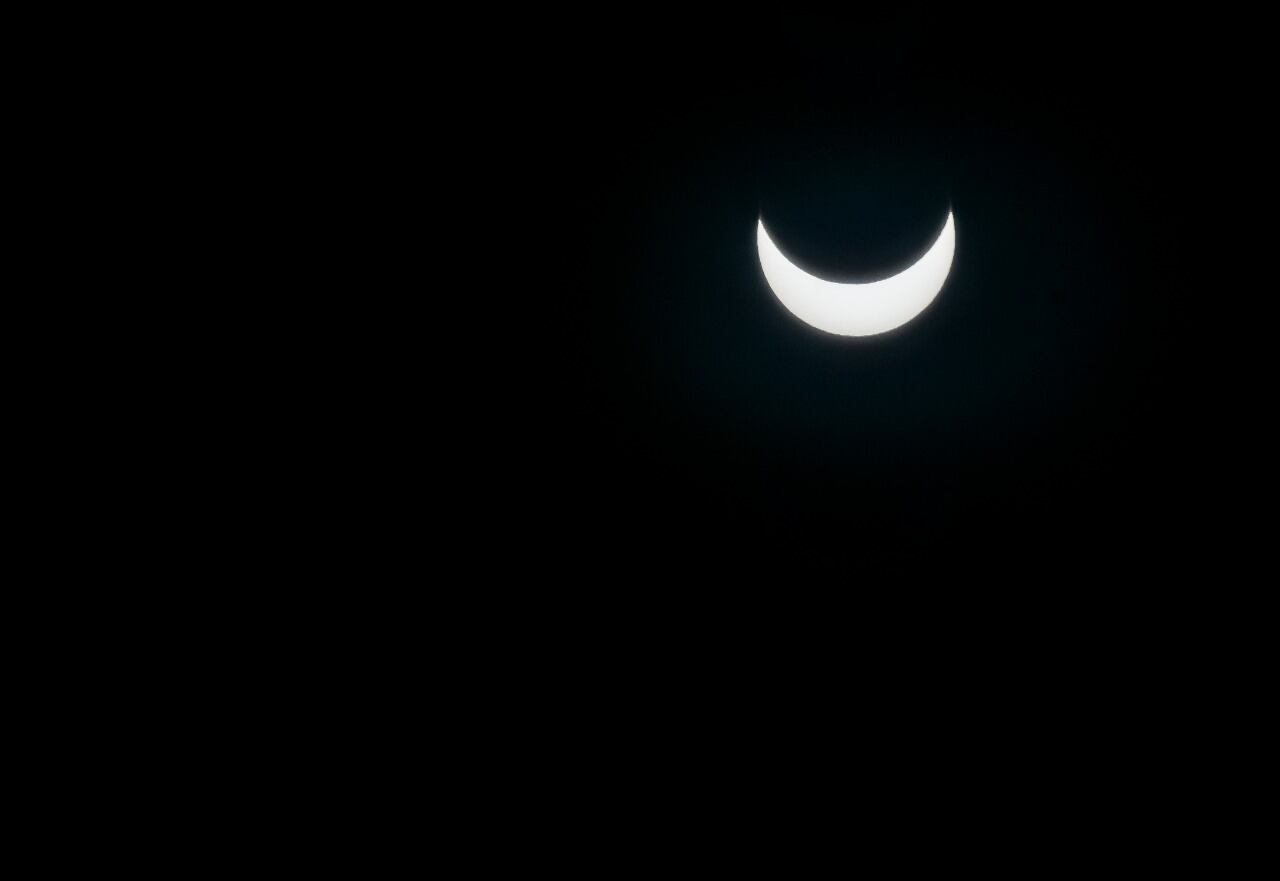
[(858, 309)]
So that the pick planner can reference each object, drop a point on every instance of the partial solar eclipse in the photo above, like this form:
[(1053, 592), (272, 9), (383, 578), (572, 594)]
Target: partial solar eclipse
[(858, 309)]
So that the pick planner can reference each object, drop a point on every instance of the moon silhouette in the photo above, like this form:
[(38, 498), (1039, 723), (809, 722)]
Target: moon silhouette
[(858, 309)]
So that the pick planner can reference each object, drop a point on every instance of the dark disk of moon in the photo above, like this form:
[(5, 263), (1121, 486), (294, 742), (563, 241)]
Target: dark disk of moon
[(855, 212)]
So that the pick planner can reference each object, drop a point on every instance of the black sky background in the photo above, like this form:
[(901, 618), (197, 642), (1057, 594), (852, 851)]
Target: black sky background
[(1041, 413)]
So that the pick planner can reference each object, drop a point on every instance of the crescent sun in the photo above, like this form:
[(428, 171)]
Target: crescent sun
[(858, 309)]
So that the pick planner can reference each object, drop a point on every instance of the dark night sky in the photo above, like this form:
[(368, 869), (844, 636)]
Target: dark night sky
[(1039, 406)]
